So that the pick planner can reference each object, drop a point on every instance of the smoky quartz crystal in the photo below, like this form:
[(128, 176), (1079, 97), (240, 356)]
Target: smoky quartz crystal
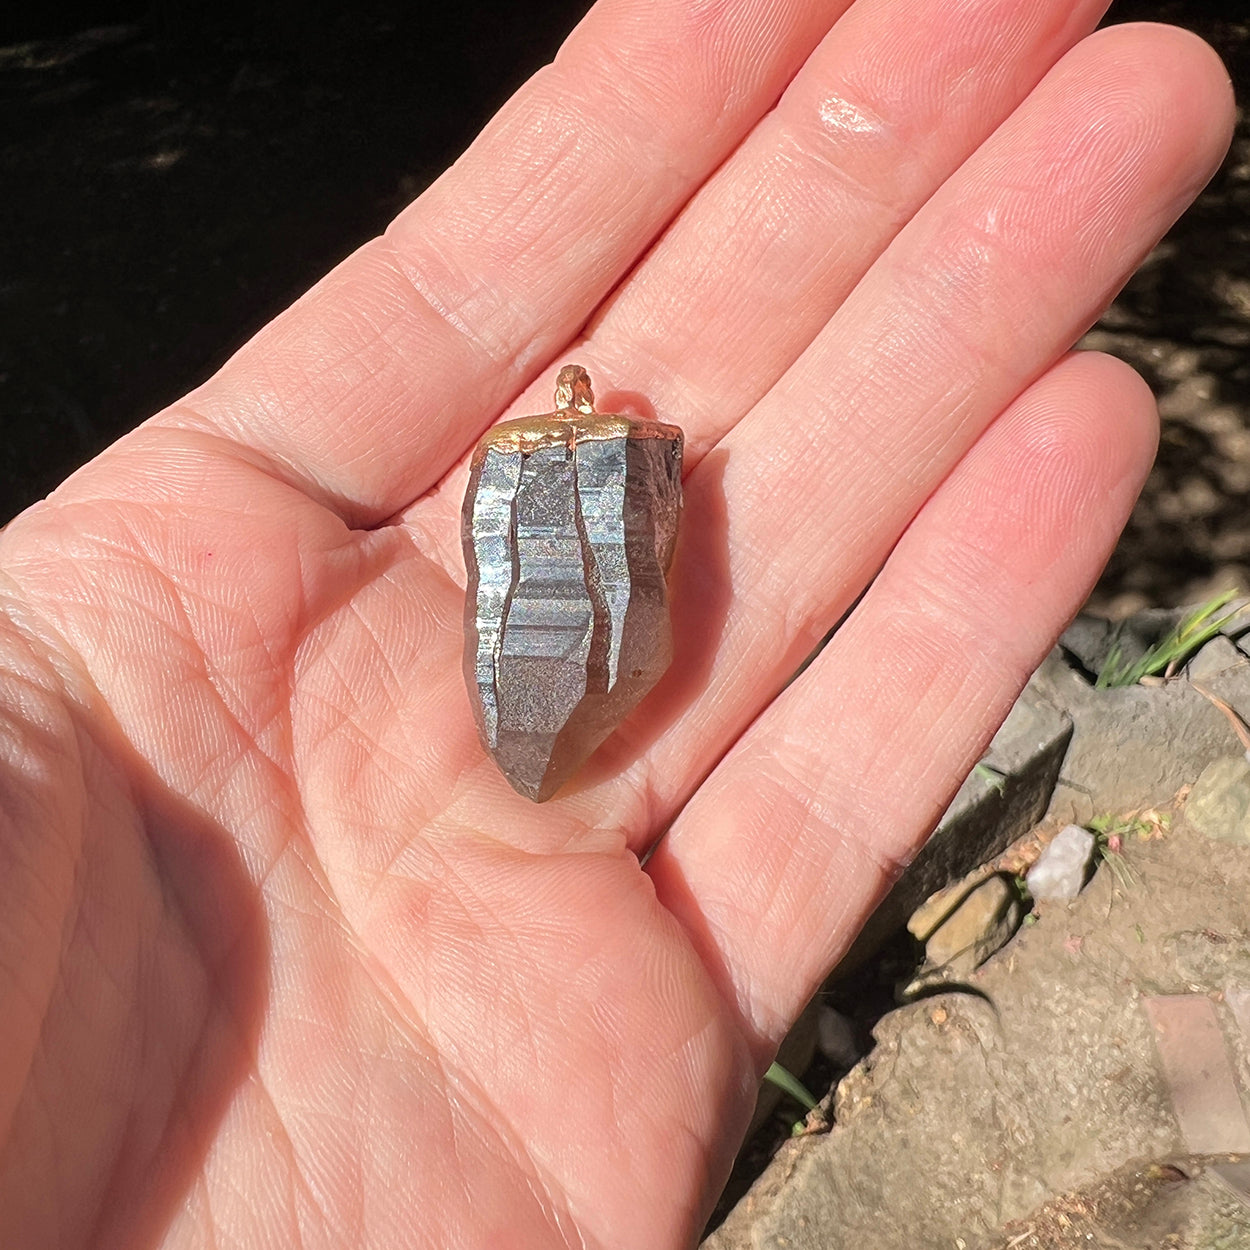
[(569, 525)]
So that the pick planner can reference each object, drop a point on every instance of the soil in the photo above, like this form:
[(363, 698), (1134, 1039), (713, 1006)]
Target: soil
[(1183, 322), (174, 179)]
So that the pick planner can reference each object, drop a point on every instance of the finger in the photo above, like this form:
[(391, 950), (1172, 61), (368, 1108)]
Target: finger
[(804, 513), (370, 387), (778, 860), (993, 280), (891, 103), (894, 99)]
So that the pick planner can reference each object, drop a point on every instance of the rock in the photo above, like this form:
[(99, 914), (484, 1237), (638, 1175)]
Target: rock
[(1237, 996), (1217, 656), (1090, 639), (975, 1108), (1218, 806), (983, 923), (996, 805), (1235, 1176), (937, 907), (1198, 1070), (569, 526), (1136, 746), (836, 1038), (1061, 870), (1180, 1201)]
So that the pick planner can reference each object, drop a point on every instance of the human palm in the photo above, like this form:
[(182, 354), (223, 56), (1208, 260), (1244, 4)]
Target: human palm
[(283, 960)]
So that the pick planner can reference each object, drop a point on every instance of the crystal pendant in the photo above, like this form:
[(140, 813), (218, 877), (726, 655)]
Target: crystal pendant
[(569, 525)]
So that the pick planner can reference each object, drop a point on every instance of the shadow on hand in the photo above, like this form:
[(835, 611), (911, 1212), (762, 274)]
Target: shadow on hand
[(154, 1021)]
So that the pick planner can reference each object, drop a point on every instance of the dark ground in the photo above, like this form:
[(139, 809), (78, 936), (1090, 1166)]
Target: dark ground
[(172, 180)]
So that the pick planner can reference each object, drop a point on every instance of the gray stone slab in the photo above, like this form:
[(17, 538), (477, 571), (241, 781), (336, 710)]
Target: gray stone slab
[(1136, 746), (997, 804), (1236, 1176)]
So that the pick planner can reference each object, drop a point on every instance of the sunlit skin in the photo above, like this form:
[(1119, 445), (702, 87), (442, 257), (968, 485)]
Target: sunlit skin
[(283, 960)]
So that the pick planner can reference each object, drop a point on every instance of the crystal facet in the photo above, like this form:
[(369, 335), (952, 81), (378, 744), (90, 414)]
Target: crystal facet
[(569, 525)]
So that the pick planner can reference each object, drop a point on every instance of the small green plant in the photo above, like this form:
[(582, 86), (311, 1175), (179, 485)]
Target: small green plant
[(1110, 833), (1107, 851), (991, 776), (1146, 826), (790, 1084), (1201, 625)]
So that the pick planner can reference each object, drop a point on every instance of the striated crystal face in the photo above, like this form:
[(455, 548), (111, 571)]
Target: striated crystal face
[(569, 526)]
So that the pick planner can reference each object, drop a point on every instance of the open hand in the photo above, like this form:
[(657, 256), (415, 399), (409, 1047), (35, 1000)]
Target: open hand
[(283, 960)]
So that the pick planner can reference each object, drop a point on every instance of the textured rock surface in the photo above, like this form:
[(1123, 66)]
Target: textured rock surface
[(983, 923), (1219, 804), (1135, 746), (570, 521), (976, 1108)]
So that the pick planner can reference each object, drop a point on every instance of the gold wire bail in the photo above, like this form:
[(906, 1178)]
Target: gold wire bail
[(573, 390)]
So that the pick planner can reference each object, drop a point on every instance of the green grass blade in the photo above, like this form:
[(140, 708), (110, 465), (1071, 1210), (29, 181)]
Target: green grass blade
[(788, 1083), (1199, 627)]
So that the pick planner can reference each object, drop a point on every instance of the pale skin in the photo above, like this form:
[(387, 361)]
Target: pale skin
[(283, 960)]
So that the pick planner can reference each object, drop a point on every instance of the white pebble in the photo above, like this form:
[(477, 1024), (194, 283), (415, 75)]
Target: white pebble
[(1060, 872)]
